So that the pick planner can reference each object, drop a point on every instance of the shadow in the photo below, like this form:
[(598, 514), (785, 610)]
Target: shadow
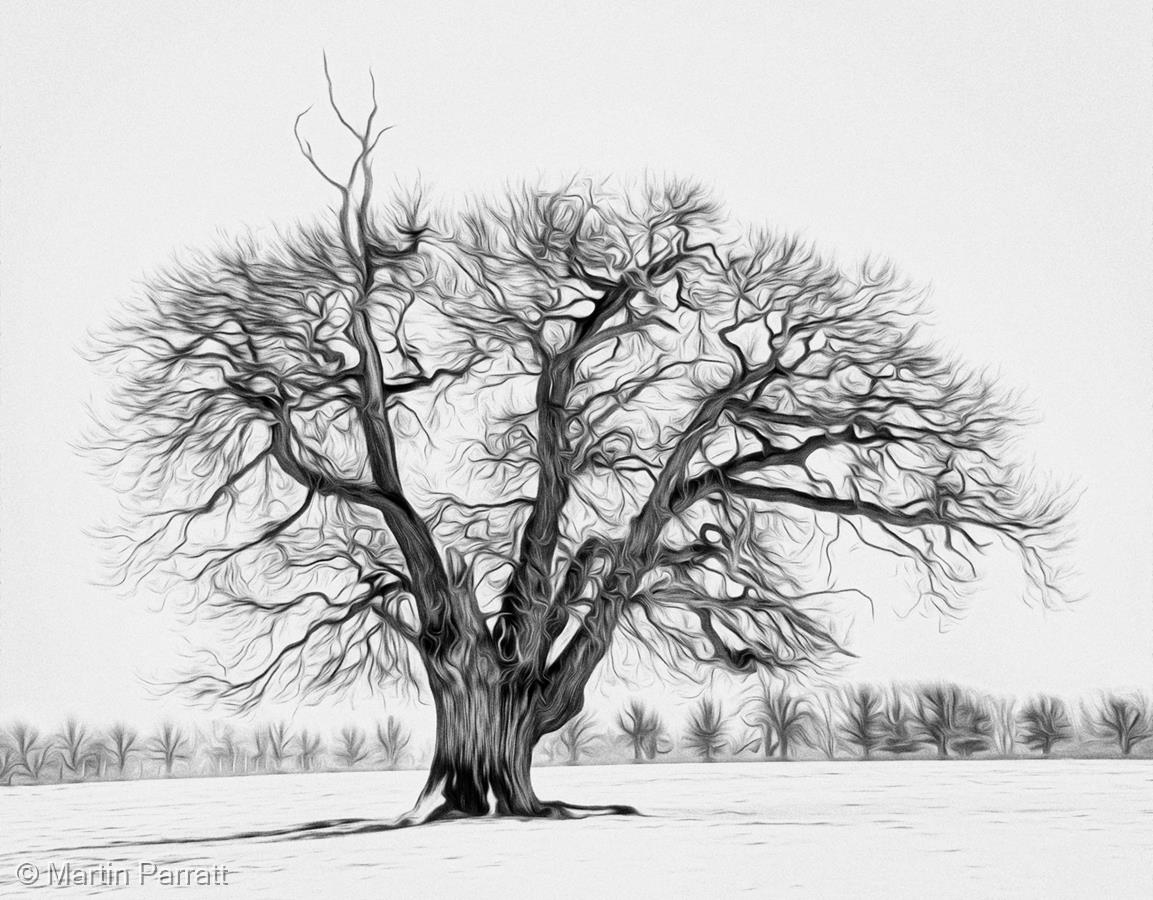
[(329, 828)]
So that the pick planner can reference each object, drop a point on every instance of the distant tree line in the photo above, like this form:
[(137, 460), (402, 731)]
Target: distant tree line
[(941, 720)]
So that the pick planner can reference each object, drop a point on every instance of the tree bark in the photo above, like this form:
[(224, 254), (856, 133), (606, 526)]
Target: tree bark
[(485, 734)]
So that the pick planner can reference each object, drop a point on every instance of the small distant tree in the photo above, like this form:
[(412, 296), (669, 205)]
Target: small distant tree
[(825, 725), (862, 719), (576, 740), (1124, 720), (901, 735), (641, 729), (707, 732), (75, 750), (227, 751), (1005, 723), (309, 749), (780, 720), (351, 747), (169, 746), (278, 739), (30, 754), (7, 764), (974, 726), (392, 739), (123, 742), (1044, 722), (937, 715)]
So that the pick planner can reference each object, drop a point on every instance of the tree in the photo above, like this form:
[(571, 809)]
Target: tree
[(122, 743), (278, 740), (642, 729), (825, 725), (975, 727), (226, 750), (707, 733), (901, 735), (576, 740), (862, 719), (392, 739), (351, 747), (1005, 726), (1126, 721), (682, 428), (780, 720), (169, 746), (30, 756), (75, 749), (309, 749), (1044, 722)]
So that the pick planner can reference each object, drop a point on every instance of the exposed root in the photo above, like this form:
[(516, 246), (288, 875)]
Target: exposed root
[(556, 809)]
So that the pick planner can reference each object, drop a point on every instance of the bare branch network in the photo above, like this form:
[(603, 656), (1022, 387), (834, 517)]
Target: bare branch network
[(484, 442)]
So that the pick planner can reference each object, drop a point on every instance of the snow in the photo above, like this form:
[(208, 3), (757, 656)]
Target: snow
[(1023, 828)]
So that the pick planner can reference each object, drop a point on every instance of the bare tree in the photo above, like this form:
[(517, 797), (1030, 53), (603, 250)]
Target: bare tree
[(392, 739), (309, 750), (825, 724), (30, 755), (1005, 725), (682, 429), (122, 743), (780, 720), (75, 749), (1044, 722), (862, 719), (169, 746), (576, 740), (1124, 720), (351, 747), (642, 729), (901, 734), (278, 740), (706, 733)]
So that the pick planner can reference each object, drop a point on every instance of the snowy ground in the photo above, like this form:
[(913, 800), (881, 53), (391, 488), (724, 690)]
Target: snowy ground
[(1061, 828)]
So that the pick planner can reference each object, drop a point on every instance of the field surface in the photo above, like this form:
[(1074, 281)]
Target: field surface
[(1060, 828)]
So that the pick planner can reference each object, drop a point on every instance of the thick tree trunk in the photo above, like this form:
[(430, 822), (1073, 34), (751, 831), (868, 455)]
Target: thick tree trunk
[(485, 734)]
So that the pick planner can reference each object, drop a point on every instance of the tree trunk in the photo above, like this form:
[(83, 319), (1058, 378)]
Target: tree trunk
[(485, 734)]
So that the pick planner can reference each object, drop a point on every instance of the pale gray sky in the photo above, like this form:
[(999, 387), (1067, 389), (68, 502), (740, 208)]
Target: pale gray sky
[(999, 152)]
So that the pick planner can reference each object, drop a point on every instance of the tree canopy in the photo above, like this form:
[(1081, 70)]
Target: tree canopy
[(494, 436)]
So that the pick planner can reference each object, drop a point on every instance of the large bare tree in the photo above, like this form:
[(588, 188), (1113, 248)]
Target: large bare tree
[(476, 446)]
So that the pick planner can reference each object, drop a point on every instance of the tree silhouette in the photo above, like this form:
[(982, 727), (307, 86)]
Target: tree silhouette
[(1044, 722), (478, 446), (169, 746), (577, 739), (901, 735), (642, 729), (1126, 721), (392, 739), (862, 722), (780, 720), (351, 748), (706, 733), (123, 742)]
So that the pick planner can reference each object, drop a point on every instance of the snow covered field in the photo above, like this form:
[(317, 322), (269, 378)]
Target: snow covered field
[(1027, 828)]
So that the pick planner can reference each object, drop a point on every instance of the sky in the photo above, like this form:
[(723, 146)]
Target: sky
[(997, 153)]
